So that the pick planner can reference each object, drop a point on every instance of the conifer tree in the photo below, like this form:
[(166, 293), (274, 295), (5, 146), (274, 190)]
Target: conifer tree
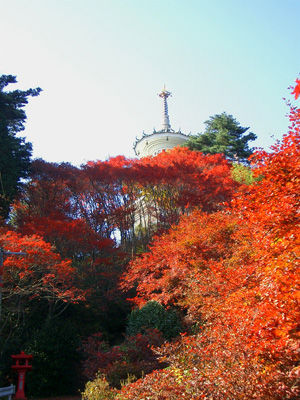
[(15, 152), (223, 134)]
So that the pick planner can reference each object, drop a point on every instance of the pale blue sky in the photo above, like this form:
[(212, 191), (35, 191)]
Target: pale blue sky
[(101, 64)]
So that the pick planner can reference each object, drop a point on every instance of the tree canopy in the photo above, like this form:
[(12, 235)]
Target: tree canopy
[(189, 246), (15, 152), (236, 274), (71, 216), (223, 134)]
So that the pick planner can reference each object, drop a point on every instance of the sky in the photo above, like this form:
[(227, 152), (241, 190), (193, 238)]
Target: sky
[(101, 64)]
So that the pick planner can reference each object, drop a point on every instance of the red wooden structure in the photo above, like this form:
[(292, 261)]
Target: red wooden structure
[(22, 365)]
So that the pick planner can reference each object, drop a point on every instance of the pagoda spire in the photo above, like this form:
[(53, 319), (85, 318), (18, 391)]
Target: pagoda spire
[(166, 127)]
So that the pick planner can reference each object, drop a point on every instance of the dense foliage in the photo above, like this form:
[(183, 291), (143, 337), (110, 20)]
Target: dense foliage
[(207, 253), (135, 356), (154, 316), (84, 225), (119, 198), (243, 300)]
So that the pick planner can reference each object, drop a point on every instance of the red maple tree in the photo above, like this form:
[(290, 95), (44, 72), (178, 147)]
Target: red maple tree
[(40, 275), (237, 275)]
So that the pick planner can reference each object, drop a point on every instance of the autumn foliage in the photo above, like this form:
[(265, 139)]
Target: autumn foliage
[(38, 274), (236, 273), (177, 230), (129, 199), (85, 223), (179, 261), (135, 356)]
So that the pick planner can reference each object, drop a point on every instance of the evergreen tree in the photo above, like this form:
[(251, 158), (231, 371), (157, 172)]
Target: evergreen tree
[(15, 152), (223, 134)]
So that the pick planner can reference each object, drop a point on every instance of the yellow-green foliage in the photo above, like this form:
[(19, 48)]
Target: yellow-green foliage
[(99, 389), (242, 173)]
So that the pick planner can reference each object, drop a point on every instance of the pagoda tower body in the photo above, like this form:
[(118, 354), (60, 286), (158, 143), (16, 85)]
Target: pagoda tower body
[(166, 138)]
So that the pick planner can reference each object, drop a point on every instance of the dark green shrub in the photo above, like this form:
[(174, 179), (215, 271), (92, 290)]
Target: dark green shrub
[(55, 360), (154, 315)]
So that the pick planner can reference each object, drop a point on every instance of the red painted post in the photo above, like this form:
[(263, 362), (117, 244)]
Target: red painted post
[(22, 365)]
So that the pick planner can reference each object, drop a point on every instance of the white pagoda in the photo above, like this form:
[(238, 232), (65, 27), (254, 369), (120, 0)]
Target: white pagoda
[(166, 138)]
